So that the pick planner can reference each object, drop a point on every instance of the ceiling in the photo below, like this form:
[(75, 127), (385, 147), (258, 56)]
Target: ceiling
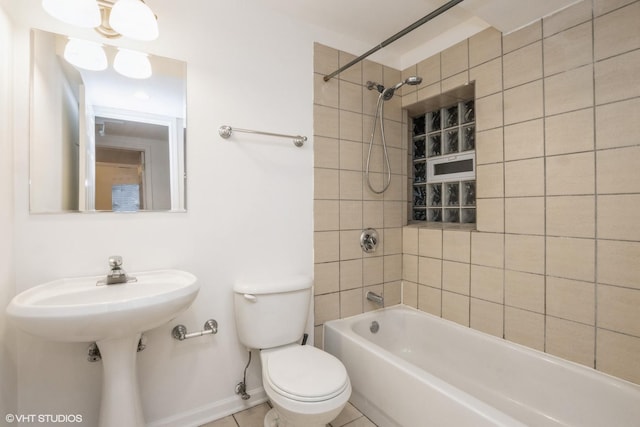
[(370, 22), (355, 26)]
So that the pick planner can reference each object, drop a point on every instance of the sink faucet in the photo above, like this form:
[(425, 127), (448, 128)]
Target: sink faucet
[(116, 273)]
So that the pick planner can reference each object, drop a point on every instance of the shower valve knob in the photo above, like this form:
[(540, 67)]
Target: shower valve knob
[(369, 240)]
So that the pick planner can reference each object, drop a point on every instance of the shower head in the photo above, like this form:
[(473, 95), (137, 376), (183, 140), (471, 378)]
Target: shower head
[(411, 81)]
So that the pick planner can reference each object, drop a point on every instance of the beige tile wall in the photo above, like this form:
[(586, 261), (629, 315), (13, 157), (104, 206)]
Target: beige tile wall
[(555, 261), (343, 204)]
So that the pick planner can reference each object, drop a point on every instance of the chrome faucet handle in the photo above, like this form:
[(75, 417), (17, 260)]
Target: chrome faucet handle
[(369, 240), (115, 262), (116, 273)]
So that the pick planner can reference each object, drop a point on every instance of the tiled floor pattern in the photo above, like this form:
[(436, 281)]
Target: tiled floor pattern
[(254, 417)]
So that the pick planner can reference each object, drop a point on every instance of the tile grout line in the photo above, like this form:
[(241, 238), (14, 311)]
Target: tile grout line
[(504, 204), (595, 196), (545, 189)]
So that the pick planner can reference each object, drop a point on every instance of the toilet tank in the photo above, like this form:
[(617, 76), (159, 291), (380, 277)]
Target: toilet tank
[(271, 313)]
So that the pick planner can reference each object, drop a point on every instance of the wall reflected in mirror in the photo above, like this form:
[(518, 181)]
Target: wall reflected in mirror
[(101, 141)]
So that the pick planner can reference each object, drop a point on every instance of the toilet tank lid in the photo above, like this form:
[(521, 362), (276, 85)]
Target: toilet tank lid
[(269, 286)]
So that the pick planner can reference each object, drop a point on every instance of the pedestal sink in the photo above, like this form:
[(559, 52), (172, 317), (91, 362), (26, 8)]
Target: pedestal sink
[(84, 309)]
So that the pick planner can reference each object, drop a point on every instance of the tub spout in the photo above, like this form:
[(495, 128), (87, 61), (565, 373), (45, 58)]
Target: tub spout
[(372, 296)]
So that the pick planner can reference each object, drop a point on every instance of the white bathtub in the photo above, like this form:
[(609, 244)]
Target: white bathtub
[(421, 370)]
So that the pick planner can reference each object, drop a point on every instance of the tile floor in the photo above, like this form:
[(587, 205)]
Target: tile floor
[(254, 417)]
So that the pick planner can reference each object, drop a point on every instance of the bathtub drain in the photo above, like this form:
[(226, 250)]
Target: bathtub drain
[(375, 327)]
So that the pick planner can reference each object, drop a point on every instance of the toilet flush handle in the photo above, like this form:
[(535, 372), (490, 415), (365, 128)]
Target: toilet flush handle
[(250, 297)]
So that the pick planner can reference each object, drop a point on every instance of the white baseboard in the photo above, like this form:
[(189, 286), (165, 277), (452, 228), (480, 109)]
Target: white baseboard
[(214, 411)]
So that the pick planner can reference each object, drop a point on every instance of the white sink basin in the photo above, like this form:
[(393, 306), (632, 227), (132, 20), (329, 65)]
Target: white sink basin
[(78, 309), (114, 316)]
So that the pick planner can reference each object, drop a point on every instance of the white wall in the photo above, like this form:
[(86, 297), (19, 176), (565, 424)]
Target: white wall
[(249, 211), (8, 386), (54, 131)]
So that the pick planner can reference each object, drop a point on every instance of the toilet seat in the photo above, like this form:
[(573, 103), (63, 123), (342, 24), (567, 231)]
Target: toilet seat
[(304, 373)]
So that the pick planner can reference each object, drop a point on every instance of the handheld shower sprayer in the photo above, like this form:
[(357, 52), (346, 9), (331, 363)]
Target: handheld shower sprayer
[(385, 95), (388, 93), (413, 80)]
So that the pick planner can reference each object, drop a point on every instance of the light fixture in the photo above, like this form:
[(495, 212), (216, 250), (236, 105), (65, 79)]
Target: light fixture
[(132, 64), (82, 13), (85, 54), (134, 19), (110, 18)]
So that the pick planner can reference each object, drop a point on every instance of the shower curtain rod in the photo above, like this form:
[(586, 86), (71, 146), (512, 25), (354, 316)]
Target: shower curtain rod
[(395, 37)]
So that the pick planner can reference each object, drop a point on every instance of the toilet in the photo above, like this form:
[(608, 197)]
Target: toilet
[(306, 386)]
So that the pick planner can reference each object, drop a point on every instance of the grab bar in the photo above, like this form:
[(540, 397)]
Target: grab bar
[(226, 131)]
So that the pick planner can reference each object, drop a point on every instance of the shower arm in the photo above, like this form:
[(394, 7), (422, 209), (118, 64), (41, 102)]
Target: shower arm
[(395, 37)]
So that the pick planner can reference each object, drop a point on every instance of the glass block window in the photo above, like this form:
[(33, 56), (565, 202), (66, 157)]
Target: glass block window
[(443, 158)]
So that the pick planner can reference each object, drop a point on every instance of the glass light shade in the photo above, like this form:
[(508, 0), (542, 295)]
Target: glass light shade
[(82, 13), (134, 19), (85, 54), (132, 64)]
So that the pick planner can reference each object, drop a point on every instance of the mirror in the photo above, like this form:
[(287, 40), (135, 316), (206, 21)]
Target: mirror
[(101, 141)]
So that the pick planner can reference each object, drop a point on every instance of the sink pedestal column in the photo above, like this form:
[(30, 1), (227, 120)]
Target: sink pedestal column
[(121, 405)]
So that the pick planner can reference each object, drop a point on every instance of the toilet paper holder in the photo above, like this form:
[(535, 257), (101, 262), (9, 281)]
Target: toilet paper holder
[(179, 332)]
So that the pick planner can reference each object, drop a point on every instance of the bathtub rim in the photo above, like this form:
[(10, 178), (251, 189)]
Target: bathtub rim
[(480, 409), (344, 325)]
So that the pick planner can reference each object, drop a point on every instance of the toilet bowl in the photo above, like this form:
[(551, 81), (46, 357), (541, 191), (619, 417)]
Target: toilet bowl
[(306, 386)]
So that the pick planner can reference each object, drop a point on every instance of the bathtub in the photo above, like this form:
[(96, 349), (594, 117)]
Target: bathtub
[(420, 370)]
